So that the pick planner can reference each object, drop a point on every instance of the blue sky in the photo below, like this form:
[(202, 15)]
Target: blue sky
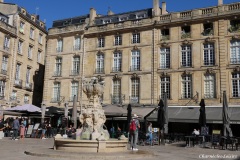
[(51, 10)]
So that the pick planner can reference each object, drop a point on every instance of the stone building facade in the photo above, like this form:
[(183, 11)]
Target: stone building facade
[(23, 43), (142, 54)]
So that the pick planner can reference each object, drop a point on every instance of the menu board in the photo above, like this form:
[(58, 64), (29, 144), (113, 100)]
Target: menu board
[(29, 129), (36, 126)]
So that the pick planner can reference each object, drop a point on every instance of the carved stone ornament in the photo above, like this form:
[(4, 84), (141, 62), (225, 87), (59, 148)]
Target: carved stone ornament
[(116, 76), (58, 57), (134, 75), (99, 52), (164, 74), (209, 39), (135, 48), (236, 69), (234, 37), (56, 80), (186, 42), (209, 71), (186, 72), (164, 44), (4, 78), (99, 77), (116, 50)]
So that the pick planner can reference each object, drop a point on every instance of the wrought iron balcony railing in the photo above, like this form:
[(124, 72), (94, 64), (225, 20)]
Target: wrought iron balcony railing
[(211, 63), (186, 64), (29, 85), (208, 96), (57, 74), (134, 99), (59, 49), (116, 69), (76, 47), (116, 99), (235, 60), (6, 48), (99, 70), (18, 82), (135, 68), (4, 72), (74, 72), (55, 99)]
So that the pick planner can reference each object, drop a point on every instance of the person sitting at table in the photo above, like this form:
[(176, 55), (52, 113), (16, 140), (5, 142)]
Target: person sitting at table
[(195, 132)]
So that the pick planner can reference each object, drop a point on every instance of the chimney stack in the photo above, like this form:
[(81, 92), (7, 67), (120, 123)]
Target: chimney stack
[(220, 2), (156, 9), (93, 15), (164, 8)]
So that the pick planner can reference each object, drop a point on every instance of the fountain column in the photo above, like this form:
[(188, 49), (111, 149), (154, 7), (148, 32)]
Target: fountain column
[(92, 116)]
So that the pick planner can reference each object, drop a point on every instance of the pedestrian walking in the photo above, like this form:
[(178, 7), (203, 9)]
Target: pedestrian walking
[(133, 129), (15, 129)]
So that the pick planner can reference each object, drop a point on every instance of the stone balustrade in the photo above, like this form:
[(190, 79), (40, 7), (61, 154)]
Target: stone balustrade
[(8, 28)]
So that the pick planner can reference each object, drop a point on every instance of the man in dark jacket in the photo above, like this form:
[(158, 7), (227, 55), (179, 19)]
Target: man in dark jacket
[(15, 128)]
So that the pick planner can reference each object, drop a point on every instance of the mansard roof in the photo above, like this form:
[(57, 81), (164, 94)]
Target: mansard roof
[(121, 17), (70, 21)]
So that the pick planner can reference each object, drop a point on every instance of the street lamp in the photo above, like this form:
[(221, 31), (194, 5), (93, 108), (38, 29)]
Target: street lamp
[(43, 109)]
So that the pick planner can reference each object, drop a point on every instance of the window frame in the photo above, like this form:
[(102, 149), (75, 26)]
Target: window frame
[(136, 38), (186, 55), (135, 60), (208, 54), (186, 86), (209, 86), (164, 58), (235, 52), (165, 86)]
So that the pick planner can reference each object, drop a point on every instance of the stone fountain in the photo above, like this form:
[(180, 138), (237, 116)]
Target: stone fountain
[(93, 136), (93, 117)]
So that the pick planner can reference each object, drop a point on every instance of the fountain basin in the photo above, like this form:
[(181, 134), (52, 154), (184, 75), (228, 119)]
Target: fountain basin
[(90, 146)]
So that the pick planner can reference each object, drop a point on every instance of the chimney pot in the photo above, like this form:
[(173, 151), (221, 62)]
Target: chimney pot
[(164, 7), (220, 2), (156, 9)]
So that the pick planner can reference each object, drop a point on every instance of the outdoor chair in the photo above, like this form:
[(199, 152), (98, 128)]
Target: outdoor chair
[(226, 141), (216, 141), (237, 143), (196, 140)]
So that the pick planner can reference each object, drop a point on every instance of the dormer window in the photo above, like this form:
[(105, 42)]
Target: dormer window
[(122, 18), (165, 34), (234, 26), (186, 32), (207, 29), (141, 16), (106, 21)]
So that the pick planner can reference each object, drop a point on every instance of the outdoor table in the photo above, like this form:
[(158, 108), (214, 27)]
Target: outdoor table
[(188, 140)]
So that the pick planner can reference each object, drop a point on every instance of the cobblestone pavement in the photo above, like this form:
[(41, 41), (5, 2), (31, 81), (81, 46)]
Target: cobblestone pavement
[(42, 150)]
